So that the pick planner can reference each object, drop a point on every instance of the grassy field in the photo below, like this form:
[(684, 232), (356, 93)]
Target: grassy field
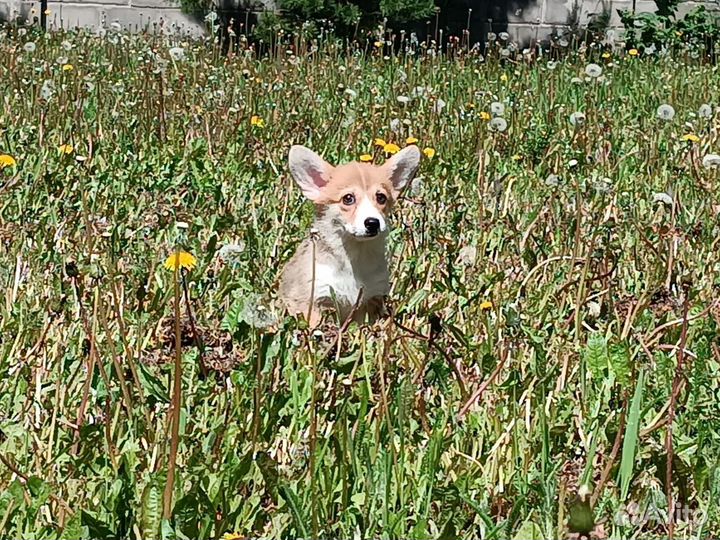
[(555, 276)]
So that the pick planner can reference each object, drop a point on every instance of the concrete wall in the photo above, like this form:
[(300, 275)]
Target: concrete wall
[(522, 19), (542, 17), (158, 15)]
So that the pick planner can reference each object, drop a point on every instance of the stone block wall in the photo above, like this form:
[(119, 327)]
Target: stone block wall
[(542, 17), (524, 20), (134, 15)]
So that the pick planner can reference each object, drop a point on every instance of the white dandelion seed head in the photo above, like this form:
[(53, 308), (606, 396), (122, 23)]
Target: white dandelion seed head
[(160, 66), (230, 253), (416, 186), (177, 53), (577, 119), (551, 65), (395, 125), (663, 198), (705, 111), (115, 26), (61, 60), (420, 91), (504, 36), (711, 161), (47, 90), (29, 47), (552, 180), (256, 314), (665, 112), (602, 185), (350, 93), (467, 255), (67, 45), (498, 124), (593, 71), (497, 108), (403, 100)]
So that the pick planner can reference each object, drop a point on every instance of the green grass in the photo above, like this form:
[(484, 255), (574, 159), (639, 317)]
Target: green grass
[(556, 303)]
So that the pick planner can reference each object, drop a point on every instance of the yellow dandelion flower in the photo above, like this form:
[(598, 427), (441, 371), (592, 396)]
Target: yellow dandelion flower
[(516, 157), (429, 152), (504, 77), (486, 305), (7, 161), (256, 121), (180, 259), (411, 140), (633, 52), (484, 115), (471, 105), (380, 142), (233, 536), (678, 33), (391, 148), (690, 137), (68, 67), (378, 44), (365, 158), (66, 149), (606, 55)]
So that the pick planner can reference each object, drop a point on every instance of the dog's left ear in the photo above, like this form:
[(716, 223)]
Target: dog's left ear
[(402, 167)]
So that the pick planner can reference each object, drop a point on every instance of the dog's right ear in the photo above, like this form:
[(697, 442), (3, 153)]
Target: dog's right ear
[(310, 171)]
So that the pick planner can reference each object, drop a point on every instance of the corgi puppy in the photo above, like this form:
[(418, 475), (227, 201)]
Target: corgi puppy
[(343, 265)]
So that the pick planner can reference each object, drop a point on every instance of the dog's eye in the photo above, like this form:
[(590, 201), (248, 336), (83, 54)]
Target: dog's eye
[(348, 199), (381, 198)]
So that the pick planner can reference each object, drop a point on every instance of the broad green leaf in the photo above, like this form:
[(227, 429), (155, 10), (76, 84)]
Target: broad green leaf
[(151, 510), (529, 530), (631, 438), (596, 356)]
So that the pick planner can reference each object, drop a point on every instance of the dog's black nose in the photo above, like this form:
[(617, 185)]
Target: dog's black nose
[(372, 225)]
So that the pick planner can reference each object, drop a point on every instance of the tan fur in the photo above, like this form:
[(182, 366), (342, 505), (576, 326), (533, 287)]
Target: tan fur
[(345, 265)]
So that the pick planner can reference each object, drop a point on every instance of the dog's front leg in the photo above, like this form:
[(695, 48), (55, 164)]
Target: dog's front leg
[(375, 308)]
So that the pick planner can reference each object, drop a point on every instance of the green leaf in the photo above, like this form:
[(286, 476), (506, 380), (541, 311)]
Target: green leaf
[(529, 530), (631, 438), (151, 510), (152, 385), (74, 529), (299, 517), (596, 356), (620, 363)]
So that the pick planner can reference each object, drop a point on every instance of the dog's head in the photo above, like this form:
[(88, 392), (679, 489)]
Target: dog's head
[(357, 195)]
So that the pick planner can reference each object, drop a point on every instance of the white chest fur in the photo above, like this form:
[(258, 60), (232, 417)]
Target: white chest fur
[(343, 273)]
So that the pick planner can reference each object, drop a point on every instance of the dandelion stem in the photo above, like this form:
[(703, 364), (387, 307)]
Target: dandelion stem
[(176, 399)]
